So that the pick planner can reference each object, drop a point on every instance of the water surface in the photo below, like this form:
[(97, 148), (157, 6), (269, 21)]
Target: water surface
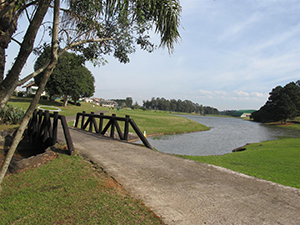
[(225, 135)]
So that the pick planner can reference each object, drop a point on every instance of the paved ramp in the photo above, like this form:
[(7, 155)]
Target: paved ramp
[(182, 191)]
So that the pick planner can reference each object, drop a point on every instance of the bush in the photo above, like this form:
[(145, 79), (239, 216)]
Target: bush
[(30, 95), (20, 94), (44, 97), (11, 115)]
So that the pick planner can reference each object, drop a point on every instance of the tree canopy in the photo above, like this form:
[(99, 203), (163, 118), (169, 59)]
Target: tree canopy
[(69, 78), (90, 28), (283, 104)]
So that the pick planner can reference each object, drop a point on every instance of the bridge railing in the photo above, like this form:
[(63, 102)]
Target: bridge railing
[(112, 123), (42, 130)]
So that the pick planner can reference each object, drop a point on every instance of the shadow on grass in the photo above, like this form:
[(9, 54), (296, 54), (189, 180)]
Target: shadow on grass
[(41, 101)]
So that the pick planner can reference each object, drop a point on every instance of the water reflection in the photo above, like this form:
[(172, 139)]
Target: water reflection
[(225, 135)]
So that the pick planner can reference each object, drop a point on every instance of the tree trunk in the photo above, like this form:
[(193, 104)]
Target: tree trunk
[(36, 98), (7, 28), (8, 85), (65, 100)]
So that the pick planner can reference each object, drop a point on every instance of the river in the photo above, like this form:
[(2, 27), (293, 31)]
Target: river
[(226, 134)]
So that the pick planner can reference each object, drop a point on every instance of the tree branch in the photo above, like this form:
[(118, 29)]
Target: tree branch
[(32, 75), (35, 73), (84, 42)]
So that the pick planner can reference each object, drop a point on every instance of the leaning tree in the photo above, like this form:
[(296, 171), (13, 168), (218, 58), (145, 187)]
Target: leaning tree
[(92, 28)]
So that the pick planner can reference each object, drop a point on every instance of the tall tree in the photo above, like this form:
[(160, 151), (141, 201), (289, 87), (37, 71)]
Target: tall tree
[(69, 78), (283, 103), (129, 102)]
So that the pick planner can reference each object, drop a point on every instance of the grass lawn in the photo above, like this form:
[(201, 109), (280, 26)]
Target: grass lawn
[(154, 122), (295, 126), (277, 161), (69, 190)]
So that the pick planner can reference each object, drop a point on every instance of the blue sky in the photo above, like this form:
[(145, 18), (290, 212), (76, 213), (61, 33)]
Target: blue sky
[(231, 55)]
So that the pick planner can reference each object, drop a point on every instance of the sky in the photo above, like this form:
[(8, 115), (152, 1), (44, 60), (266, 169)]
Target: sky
[(230, 56)]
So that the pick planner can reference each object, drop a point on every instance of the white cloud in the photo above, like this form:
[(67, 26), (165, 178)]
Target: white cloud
[(259, 95), (232, 32)]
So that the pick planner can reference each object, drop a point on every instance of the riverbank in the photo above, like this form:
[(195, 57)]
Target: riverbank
[(277, 161)]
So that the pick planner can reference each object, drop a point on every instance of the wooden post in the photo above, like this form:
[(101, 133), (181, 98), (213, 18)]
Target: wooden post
[(91, 122), (112, 129), (67, 135), (126, 128), (140, 134), (82, 119), (39, 124), (77, 119), (55, 123), (101, 123), (46, 126), (32, 127)]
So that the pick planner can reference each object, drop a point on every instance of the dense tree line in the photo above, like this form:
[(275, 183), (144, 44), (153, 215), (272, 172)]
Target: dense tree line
[(283, 104), (179, 106)]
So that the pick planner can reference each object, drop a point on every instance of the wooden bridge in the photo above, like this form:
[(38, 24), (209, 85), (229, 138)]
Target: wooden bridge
[(89, 121), (42, 131)]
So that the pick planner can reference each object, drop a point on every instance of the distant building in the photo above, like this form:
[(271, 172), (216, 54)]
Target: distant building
[(243, 113), (107, 103), (88, 100)]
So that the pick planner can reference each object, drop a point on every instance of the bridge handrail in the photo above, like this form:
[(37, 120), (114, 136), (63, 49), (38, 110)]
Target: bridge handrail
[(41, 128), (112, 124)]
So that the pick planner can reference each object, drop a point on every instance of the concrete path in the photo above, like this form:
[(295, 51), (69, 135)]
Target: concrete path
[(182, 191)]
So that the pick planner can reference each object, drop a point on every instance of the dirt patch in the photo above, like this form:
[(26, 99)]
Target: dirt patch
[(281, 124), (33, 161), (25, 156)]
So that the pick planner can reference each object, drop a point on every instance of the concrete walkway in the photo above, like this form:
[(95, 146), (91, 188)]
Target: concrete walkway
[(182, 191)]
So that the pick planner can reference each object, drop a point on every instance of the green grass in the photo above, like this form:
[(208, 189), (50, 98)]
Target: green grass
[(69, 190), (295, 126), (154, 122), (277, 161)]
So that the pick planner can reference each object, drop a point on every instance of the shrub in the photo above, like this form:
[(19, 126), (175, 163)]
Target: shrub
[(30, 95), (44, 97), (20, 94), (11, 115)]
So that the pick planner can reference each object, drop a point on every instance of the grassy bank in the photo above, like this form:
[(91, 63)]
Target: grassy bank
[(276, 161), (69, 190), (161, 122)]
